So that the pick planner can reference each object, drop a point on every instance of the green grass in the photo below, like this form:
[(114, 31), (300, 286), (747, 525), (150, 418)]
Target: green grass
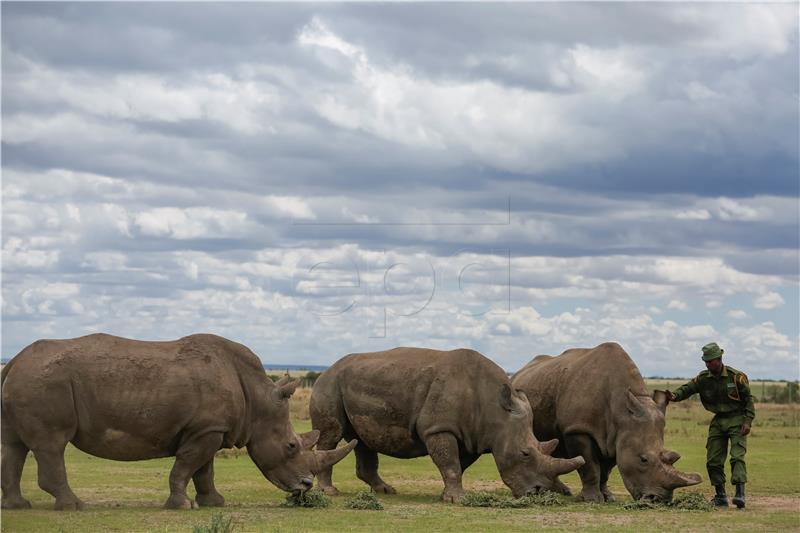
[(127, 496)]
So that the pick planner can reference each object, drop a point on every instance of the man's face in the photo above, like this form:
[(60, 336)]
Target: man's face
[(714, 366)]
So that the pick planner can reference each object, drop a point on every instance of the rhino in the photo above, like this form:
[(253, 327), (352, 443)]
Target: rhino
[(130, 400), (595, 402), (452, 405)]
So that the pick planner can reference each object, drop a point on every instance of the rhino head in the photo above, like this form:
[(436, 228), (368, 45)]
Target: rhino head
[(283, 456), (524, 463), (644, 463)]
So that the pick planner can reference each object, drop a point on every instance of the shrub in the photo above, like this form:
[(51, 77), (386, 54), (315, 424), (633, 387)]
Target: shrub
[(219, 524)]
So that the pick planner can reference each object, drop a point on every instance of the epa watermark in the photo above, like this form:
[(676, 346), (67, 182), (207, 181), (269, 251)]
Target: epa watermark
[(386, 287)]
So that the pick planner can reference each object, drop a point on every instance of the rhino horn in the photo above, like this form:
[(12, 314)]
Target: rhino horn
[(324, 459), (308, 440), (660, 398), (283, 381), (558, 467), (548, 447), (669, 457), (676, 479)]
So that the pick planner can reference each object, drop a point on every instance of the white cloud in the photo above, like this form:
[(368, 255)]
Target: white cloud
[(743, 33), (290, 205), (191, 223), (677, 304), (732, 210), (693, 214), (770, 300), (699, 332), (737, 314), (18, 256)]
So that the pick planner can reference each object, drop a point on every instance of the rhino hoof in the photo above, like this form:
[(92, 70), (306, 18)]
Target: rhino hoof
[(19, 503), (452, 496), (179, 502), (210, 500), (71, 505), (330, 490), (609, 497), (383, 488), (591, 497)]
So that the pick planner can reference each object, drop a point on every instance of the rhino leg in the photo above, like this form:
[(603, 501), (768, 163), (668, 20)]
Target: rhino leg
[(443, 449), (561, 487), (192, 455), (590, 472), (605, 471), (367, 470), (328, 417), (14, 455), (207, 495), (467, 459), (53, 477)]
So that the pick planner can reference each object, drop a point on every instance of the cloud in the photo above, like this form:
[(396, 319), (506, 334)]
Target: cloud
[(693, 214), (677, 304), (770, 300), (518, 178)]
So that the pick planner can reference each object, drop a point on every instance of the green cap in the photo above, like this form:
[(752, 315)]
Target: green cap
[(712, 351)]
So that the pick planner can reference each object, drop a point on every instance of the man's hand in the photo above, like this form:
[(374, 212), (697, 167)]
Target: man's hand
[(745, 429), (670, 396)]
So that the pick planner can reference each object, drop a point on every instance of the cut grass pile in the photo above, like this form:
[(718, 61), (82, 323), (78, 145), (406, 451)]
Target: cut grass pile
[(691, 501), (491, 499), (310, 499), (364, 501)]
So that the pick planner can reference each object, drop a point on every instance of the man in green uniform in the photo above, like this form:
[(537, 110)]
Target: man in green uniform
[(725, 392)]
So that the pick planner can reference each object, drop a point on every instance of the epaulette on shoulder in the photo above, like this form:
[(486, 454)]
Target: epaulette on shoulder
[(703, 374), (739, 376)]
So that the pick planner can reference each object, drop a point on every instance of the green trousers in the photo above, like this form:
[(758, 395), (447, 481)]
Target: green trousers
[(722, 430)]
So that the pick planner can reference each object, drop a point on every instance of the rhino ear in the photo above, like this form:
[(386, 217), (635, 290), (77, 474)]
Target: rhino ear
[(635, 408), (548, 447), (506, 398), (308, 440), (660, 397), (283, 392)]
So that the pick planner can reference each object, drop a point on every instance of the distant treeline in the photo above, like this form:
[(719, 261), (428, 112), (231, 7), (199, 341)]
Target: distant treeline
[(307, 380), (763, 390)]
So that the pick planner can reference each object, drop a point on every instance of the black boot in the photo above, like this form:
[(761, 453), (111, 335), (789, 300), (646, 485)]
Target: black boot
[(720, 498), (738, 500)]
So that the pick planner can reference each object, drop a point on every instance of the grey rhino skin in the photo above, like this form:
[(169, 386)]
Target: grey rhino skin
[(595, 401), (128, 400), (453, 406)]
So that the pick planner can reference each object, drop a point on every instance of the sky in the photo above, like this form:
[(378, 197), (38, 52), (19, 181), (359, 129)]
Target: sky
[(314, 180)]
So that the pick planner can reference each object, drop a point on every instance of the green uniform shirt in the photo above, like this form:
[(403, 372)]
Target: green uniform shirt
[(726, 394)]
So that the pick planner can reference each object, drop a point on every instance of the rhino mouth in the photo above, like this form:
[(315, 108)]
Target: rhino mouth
[(536, 489), (654, 497)]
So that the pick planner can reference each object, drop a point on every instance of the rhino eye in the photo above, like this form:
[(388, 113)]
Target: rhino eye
[(292, 446), (643, 459), (526, 453)]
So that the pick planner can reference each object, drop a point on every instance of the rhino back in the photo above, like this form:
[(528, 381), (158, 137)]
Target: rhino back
[(394, 399), (127, 399)]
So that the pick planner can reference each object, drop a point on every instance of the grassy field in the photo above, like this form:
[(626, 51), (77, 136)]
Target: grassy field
[(128, 496)]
